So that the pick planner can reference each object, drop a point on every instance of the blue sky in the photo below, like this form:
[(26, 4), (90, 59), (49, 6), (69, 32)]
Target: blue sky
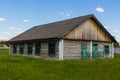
[(16, 16)]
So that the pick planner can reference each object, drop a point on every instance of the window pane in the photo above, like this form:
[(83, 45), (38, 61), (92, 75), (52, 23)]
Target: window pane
[(37, 48), (51, 48)]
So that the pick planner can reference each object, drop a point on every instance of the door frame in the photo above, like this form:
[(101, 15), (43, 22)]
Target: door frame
[(38, 49), (14, 49), (108, 45), (95, 53), (84, 55)]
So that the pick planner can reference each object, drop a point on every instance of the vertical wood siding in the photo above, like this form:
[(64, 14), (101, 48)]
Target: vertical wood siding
[(89, 30), (72, 49), (44, 50)]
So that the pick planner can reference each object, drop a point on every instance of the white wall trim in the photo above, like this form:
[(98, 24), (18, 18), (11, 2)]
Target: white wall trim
[(33, 49), (61, 49)]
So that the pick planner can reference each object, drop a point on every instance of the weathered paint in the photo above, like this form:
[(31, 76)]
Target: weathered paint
[(89, 30), (61, 49)]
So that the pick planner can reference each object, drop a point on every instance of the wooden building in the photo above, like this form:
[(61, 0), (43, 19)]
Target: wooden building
[(81, 37)]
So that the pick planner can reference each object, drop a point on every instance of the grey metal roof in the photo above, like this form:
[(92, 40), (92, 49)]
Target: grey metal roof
[(54, 30)]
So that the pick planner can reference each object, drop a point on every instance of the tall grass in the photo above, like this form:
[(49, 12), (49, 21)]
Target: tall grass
[(14, 67)]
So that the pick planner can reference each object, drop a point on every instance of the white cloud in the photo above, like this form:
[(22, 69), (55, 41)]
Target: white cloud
[(14, 28), (99, 9), (66, 13), (19, 32), (116, 33), (10, 33), (106, 27), (61, 13), (2, 19), (25, 20), (6, 33)]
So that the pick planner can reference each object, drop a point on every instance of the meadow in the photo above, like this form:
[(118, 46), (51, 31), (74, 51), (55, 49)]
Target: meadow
[(17, 67)]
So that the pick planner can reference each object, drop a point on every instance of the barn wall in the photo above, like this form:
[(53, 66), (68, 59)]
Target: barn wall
[(89, 30), (101, 48), (72, 49), (44, 50)]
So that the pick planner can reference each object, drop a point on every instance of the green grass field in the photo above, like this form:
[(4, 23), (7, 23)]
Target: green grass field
[(14, 67)]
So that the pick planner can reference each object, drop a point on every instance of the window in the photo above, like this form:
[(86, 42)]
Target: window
[(51, 49), (21, 48), (14, 48), (106, 50), (84, 51), (37, 48), (95, 50)]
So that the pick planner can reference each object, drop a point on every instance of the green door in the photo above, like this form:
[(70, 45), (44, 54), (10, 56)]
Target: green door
[(14, 48), (106, 50), (21, 48), (84, 51), (29, 49), (51, 49), (37, 48), (95, 50)]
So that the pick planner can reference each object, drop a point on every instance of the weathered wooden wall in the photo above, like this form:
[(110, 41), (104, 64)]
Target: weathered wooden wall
[(89, 30), (44, 50), (72, 49), (101, 48)]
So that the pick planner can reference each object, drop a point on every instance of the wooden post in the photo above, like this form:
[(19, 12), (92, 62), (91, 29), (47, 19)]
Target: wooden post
[(112, 50), (61, 49), (91, 49), (18, 49), (33, 49), (25, 49)]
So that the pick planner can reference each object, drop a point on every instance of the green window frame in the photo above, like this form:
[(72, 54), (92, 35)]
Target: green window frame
[(14, 48), (106, 49), (52, 49), (21, 48), (84, 51), (38, 49), (29, 48), (95, 49)]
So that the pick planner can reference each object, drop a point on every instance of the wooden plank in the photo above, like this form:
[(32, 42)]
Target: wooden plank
[(89, 30)]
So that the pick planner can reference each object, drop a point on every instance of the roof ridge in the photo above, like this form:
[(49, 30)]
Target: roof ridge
[(90, 15)]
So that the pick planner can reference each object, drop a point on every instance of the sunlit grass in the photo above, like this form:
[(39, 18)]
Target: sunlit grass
[(16, 67)]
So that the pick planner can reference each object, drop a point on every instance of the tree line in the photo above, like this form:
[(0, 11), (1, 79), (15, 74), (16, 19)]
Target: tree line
[(2, 43)]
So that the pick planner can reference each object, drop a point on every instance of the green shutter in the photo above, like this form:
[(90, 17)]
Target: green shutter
[(37, 48), (95, 50), (21, 48), (14, 48), (106, 50), (51, 49), (84, 51), (29, 49)]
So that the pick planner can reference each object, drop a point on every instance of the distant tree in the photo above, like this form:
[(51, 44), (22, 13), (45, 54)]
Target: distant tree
[(116, 44), (2, 43)]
